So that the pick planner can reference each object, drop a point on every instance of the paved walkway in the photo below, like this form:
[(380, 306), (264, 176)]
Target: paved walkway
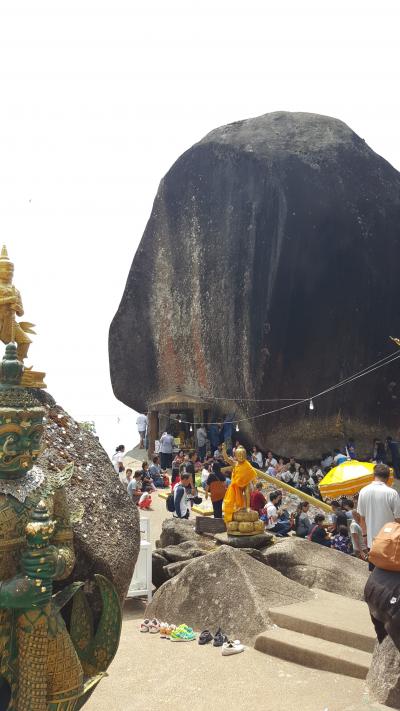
[(155, 674)]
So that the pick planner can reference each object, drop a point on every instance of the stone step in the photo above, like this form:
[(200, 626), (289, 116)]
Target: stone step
[(331, 617), (314, 652)]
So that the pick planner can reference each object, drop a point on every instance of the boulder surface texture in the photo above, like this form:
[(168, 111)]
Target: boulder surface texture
[(383, 679), (226, 589), (270, 261), (105, 522), (313, 565)]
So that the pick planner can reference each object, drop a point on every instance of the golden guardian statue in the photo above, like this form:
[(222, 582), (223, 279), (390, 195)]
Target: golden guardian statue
[(10, 329)]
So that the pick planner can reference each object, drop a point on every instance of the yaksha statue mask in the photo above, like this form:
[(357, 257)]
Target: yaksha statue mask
[(21, 420)]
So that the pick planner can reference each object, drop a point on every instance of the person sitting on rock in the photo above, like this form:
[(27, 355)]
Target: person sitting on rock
[(145, 500), (147, 481), (135, 487), (256, 458), (155, 473), (318, 532), (257, 499), (302, 523), (276, 523), (302, 483), (341, 541), (339, 457), (339, 518)]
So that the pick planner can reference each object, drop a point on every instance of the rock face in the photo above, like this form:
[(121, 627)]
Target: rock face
[(226, 589), (383, 680), (169, 561), (269, 240), (317, 567), (106, 528), (177, 530)]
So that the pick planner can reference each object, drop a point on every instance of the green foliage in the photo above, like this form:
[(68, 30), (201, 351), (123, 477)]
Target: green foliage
[(88, 426)]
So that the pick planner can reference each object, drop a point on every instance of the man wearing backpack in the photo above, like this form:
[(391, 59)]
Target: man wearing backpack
[(378, 504), (181, 499)]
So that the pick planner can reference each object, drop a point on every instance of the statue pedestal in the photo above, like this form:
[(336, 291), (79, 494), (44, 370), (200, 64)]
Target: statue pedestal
[(33, 379), (258, 540)]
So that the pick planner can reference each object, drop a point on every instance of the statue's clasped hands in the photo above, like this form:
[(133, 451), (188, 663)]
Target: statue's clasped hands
[(31, 588), (40, 565)]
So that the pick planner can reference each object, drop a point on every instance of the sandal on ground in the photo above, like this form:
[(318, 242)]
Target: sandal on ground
[(182, 635), (154, 626), (205, 637), (229, 648), (219, 638), (145, 626)]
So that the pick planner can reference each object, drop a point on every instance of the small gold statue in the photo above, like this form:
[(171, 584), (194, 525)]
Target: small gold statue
[(239, 518), (10, 329)]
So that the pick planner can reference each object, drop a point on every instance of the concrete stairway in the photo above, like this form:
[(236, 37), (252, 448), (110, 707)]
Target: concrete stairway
[(331, 633)]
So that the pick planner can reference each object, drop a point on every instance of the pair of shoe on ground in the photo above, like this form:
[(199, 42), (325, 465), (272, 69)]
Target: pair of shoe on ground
[(183, 633), (221, 640)]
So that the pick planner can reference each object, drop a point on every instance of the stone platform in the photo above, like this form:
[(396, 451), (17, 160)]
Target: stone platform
[(260, 540)]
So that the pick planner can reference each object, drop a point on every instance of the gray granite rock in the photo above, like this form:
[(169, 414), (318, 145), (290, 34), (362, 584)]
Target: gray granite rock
[(226, 589), (182, 551), (315, 566), (383, 679), (173, 569), (176, 530), (158, 574)]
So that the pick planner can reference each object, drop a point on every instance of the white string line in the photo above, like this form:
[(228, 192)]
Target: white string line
[(292, 399), (340, 384), (366, 371)]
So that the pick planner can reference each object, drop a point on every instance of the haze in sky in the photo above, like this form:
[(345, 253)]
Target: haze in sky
[(99, 98)]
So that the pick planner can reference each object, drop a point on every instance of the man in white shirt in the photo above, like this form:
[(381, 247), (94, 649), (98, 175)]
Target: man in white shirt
[(378, 504), (274, 525), (270, 460), (141, 424)]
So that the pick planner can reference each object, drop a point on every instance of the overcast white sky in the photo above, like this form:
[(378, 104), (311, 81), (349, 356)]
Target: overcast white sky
[(99, 98)]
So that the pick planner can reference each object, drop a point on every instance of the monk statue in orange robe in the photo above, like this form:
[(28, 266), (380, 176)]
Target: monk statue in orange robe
[(238, 493)]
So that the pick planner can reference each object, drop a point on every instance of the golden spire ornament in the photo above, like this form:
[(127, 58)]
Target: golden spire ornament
[(12, 330)]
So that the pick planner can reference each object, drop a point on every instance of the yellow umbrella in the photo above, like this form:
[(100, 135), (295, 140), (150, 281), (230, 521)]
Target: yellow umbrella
[(348, 479)]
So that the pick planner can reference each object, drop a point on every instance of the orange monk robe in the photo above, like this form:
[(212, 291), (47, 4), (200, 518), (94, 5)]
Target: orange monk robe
[(243, 473)]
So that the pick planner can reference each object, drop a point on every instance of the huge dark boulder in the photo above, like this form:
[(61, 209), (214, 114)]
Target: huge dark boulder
[(269, 269)]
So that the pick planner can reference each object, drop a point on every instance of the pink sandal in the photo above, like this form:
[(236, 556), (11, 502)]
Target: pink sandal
[(145, 626), (152, 626)]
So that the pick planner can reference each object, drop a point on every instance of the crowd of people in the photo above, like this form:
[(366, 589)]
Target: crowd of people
[(349, 529)]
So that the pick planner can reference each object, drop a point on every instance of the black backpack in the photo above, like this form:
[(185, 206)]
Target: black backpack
[(170, 504)]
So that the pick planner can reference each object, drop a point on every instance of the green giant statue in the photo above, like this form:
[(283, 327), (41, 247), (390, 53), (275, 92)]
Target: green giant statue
[(43, 665)]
